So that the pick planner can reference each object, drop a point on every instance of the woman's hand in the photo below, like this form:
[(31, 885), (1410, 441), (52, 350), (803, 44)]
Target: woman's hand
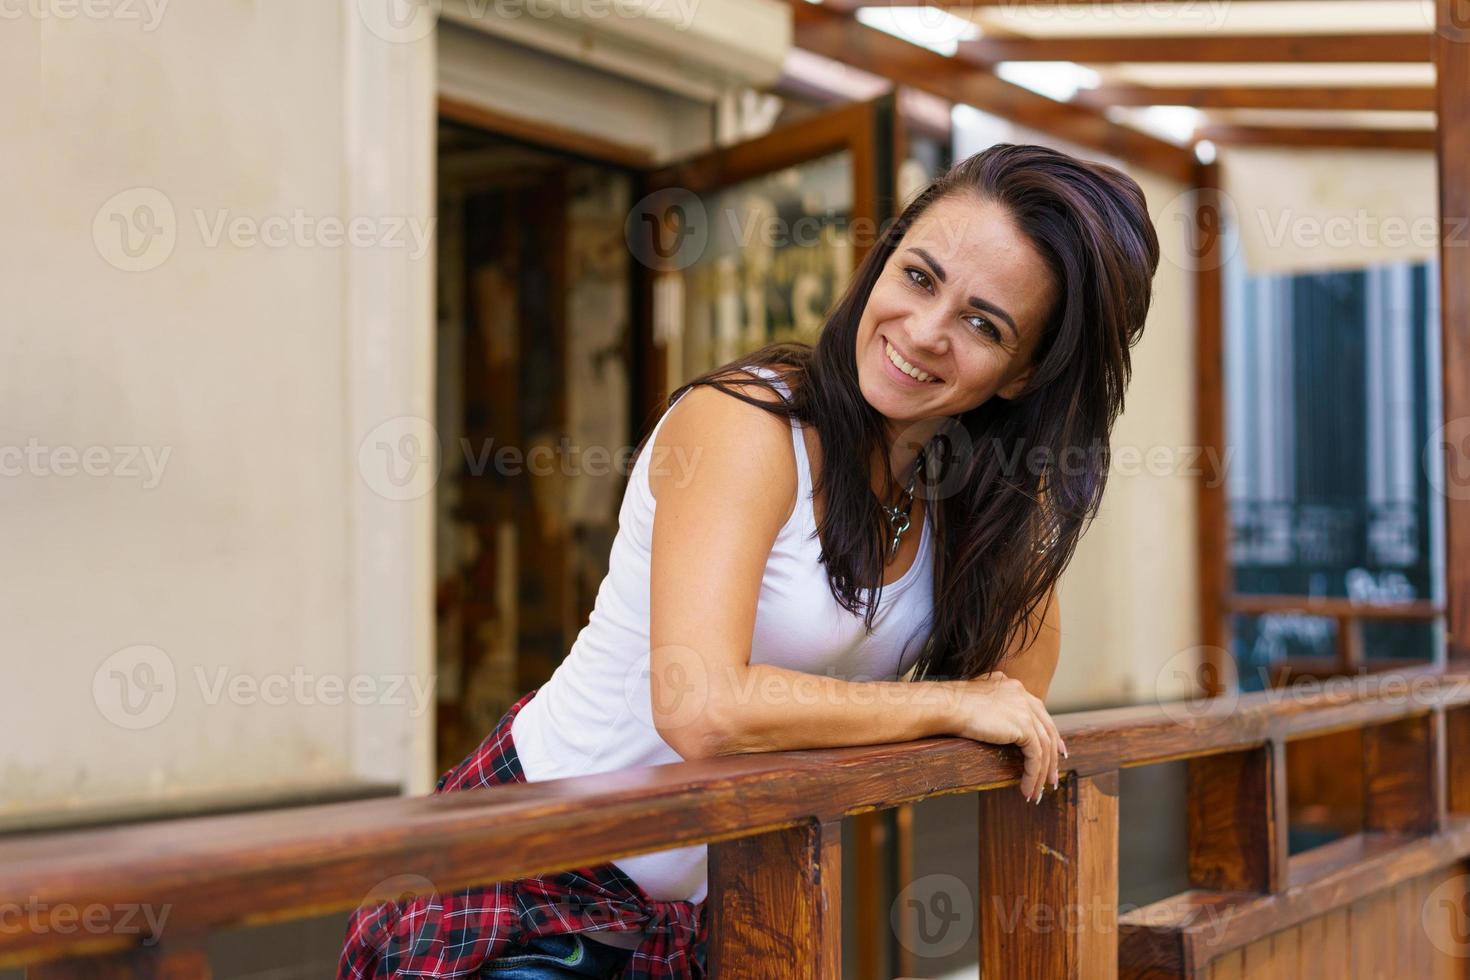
[(998, 709)]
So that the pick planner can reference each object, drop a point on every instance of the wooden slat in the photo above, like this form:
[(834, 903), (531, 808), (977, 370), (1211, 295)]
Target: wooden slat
[(1452, 80), (1457, 760), (1323, 137), (835, 35), (1205, 48), (1403, 98), (1402, 786), (776, 898), (1237, 820), (1049, 881)]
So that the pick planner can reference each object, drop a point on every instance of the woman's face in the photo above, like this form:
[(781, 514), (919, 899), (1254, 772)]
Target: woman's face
[(962, 300)]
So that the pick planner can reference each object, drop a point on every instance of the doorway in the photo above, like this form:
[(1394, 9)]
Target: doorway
[(534, 306)]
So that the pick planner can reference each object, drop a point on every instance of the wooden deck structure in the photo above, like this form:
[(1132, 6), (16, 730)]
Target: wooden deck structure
[(773, 825)]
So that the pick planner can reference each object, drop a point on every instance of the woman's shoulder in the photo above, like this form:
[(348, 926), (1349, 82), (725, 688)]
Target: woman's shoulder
[(726, 443)]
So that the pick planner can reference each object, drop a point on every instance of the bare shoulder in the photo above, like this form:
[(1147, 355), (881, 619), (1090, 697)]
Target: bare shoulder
[(714, 443)]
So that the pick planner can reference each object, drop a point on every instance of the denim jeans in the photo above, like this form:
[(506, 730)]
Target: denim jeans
[(556, 957)]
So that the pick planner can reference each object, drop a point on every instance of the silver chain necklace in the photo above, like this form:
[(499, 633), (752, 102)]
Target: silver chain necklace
[(898, 517)]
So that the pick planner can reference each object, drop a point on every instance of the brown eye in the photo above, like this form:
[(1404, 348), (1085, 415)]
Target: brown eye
[(917, 276), (983, 326)]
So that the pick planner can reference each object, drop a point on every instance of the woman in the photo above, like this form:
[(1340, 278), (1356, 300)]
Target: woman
[(807, 525)]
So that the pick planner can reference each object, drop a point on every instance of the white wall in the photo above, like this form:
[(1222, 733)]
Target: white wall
[(256, 553)]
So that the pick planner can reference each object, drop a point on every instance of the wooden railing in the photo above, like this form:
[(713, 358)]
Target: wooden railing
[(773, 822), (1349, 615)]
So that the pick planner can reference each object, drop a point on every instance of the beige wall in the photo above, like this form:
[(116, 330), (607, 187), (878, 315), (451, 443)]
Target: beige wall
[(200, 626)]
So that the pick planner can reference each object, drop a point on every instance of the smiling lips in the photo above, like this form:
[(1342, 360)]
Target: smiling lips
[(905, 366)]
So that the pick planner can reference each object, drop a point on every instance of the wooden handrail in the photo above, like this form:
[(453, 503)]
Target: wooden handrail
[(222, 871)]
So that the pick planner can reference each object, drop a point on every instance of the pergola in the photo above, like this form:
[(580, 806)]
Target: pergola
[(1356, 74)]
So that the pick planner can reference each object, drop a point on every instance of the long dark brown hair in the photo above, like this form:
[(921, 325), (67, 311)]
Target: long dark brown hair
[(1011, 484)]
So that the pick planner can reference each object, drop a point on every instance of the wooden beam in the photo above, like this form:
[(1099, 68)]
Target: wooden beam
[(1080, 6), (1452, 74), (1320, 137), (837, 36), (1254, 49), (776, 898), (1397, 98), (544, 133)]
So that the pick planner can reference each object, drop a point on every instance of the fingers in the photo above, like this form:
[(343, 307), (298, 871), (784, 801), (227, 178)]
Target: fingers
[(1048, 756), (1029, 742), (1057, 744)]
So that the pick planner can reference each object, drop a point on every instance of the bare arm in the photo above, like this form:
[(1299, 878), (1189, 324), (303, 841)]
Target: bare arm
[(714, 526), (1036, 665)]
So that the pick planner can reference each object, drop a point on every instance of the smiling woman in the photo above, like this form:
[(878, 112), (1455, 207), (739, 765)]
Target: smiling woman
[(853, 515)]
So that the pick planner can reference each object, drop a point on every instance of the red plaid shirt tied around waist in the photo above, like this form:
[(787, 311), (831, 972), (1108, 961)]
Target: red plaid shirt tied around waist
[(453, 935)]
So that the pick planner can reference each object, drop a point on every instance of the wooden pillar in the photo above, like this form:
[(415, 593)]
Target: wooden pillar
[(1238, 820), (1049, 882), (1212, 512), (775, 904), (1452, 82)]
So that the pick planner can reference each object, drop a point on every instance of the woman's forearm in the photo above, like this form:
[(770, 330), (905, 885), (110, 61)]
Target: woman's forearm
[(770, 709)]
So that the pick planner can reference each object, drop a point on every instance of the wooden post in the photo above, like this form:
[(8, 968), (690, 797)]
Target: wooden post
[(775, 901), (1452, 81), (1212, 508), (1237, 820), (1049, 882)]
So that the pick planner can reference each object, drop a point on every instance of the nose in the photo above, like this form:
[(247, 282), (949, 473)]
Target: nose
[(928, 330)]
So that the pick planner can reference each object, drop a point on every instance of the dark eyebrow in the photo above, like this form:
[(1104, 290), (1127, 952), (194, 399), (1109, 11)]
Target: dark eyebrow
[(975, 301)]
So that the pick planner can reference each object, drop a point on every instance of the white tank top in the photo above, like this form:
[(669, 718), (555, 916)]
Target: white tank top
[(593, 714)]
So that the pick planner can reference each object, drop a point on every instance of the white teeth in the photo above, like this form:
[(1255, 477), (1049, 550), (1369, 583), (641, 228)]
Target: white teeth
[(905, 366)]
